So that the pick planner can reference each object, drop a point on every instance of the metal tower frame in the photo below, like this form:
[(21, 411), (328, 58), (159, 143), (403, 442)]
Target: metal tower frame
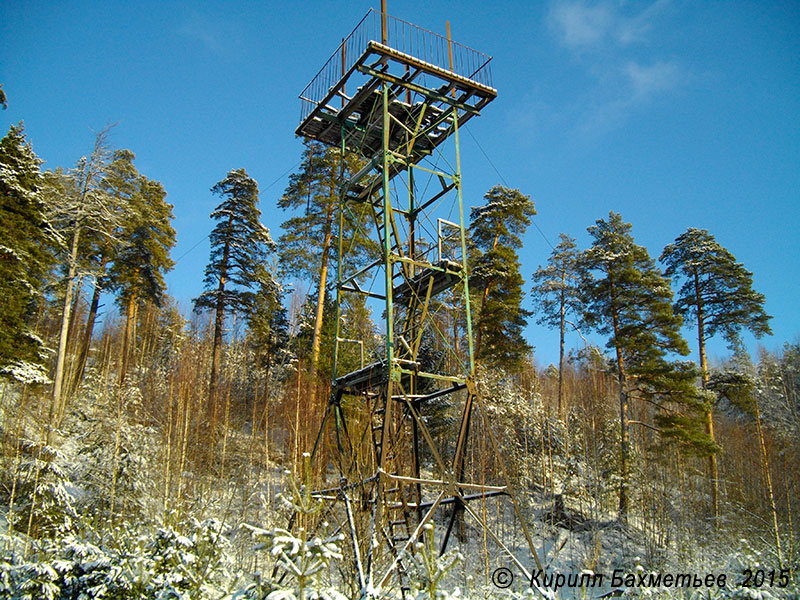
[(392, 95)]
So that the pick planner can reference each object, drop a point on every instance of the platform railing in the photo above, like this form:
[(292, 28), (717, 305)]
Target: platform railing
[(404, 37)]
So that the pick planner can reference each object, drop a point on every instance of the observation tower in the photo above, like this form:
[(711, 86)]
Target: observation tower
[(393, 97)]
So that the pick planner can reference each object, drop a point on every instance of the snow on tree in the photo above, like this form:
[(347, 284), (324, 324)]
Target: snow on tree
[(427, 569), (98, 247), (25, 258), (717, 291), (304, 560), (77, 204), (142, 258)]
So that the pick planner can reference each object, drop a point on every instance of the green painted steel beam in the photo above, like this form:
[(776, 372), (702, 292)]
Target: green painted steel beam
[(430, 94)]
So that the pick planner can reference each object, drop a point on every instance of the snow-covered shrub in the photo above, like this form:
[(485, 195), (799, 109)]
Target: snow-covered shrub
[(188, 562), (68, 567), (426, 569), (42, 504), (302, 561)]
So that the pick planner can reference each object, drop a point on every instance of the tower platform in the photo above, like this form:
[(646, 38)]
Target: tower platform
[(343, 103)]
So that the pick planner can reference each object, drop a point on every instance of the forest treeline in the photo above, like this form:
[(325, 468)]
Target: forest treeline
[(142, 425)]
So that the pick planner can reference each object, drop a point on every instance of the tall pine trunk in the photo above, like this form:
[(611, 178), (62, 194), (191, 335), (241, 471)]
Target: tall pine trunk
[(770, 490), (127, 342), (219, 320), (562, 318), (216, 351), (323, 277), (708, 416), (623, 422)]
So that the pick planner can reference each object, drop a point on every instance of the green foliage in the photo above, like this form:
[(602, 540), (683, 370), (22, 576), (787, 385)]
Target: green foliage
[(309, 245), (427, 570), (556, 295), (502, 220), (268, 322), (25, 257), (309, 237), (356, 324), (735, 387), (629, 299), (145, 237), (717, 291), (301, 343), (686, 429), (556, 291), (495, 232)]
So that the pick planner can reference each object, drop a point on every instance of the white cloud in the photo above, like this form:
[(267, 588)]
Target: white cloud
[(646, 80), (201, 29), (632, 89), (616, 43), (579, 24)]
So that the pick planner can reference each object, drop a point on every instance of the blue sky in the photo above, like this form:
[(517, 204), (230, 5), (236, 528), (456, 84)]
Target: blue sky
[(673, 113)]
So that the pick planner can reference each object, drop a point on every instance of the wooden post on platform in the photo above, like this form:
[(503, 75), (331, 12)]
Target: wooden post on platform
[(450, 51), (383, 22)]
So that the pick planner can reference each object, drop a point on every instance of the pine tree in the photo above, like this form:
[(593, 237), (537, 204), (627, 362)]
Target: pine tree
[(627, 298), (495, 230), (78, 204), (99, 247), (137, 274), (268, 322), (717, 294), (25, 257), (556, 293), (307, 247), (239, 246)]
